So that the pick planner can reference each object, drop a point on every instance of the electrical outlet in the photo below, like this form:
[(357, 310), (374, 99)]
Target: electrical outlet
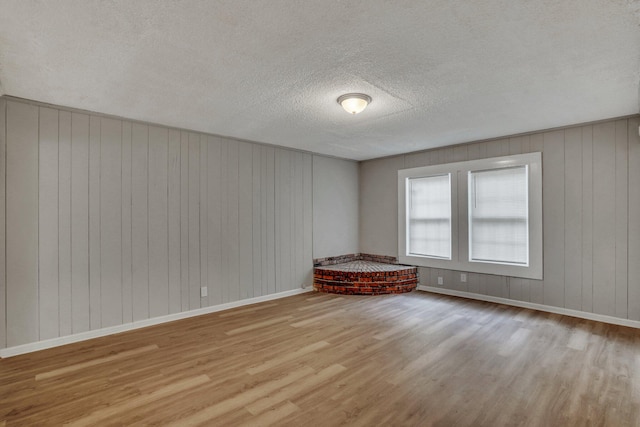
[(463, 277), (440, 281), (203, 291)]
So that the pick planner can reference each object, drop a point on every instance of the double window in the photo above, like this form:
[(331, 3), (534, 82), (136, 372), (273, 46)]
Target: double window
[(481, 216)]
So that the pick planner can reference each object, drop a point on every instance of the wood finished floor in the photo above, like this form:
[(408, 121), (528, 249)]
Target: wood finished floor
[(415, 359)]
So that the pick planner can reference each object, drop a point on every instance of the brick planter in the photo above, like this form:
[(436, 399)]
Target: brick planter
[(365, 278)]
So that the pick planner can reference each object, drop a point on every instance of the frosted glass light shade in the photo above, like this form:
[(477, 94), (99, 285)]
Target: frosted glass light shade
[(354, 103)]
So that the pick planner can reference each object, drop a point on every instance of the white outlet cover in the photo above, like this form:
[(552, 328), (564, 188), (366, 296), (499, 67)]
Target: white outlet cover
[(440, 281), (203, 291)]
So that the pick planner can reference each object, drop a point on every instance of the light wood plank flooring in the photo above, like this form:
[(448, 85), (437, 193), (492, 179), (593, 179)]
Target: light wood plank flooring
[(416, 359)]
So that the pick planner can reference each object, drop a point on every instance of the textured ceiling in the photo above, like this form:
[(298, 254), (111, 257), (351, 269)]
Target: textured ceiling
[(440, 72)]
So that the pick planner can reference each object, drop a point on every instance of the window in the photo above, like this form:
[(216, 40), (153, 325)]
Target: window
[(498, 216), (480, 216), (430, 216)]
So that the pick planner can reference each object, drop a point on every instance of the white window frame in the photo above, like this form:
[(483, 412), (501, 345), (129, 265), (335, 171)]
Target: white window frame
[(460, 216)]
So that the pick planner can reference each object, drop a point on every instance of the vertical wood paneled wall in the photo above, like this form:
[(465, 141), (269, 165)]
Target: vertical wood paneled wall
[(591, 216), (110, 221)]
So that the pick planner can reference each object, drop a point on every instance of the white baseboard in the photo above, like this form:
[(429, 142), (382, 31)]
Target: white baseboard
[(83, 336), (540, 307)]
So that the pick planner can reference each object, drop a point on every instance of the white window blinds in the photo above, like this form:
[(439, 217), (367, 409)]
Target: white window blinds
[(498, 216), (429, 231)]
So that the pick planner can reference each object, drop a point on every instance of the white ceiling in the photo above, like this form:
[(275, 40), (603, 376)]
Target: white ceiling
[(440, 72)]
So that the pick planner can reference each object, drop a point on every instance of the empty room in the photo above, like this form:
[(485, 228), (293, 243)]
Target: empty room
[(320, 213)]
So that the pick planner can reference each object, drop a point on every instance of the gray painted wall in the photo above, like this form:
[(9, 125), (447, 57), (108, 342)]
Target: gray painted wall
[(335, 207), (110, 221), (591, 215)]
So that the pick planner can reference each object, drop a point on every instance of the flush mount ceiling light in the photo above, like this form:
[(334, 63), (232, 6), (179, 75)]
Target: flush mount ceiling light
[(354, 103)]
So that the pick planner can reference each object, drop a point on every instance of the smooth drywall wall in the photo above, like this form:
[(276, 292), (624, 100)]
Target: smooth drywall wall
[(335, 207), (591, 216), (110, 221)]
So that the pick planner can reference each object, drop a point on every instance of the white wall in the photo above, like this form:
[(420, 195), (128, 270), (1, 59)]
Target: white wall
[(110, 221), (591, 215), (335, 207)]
